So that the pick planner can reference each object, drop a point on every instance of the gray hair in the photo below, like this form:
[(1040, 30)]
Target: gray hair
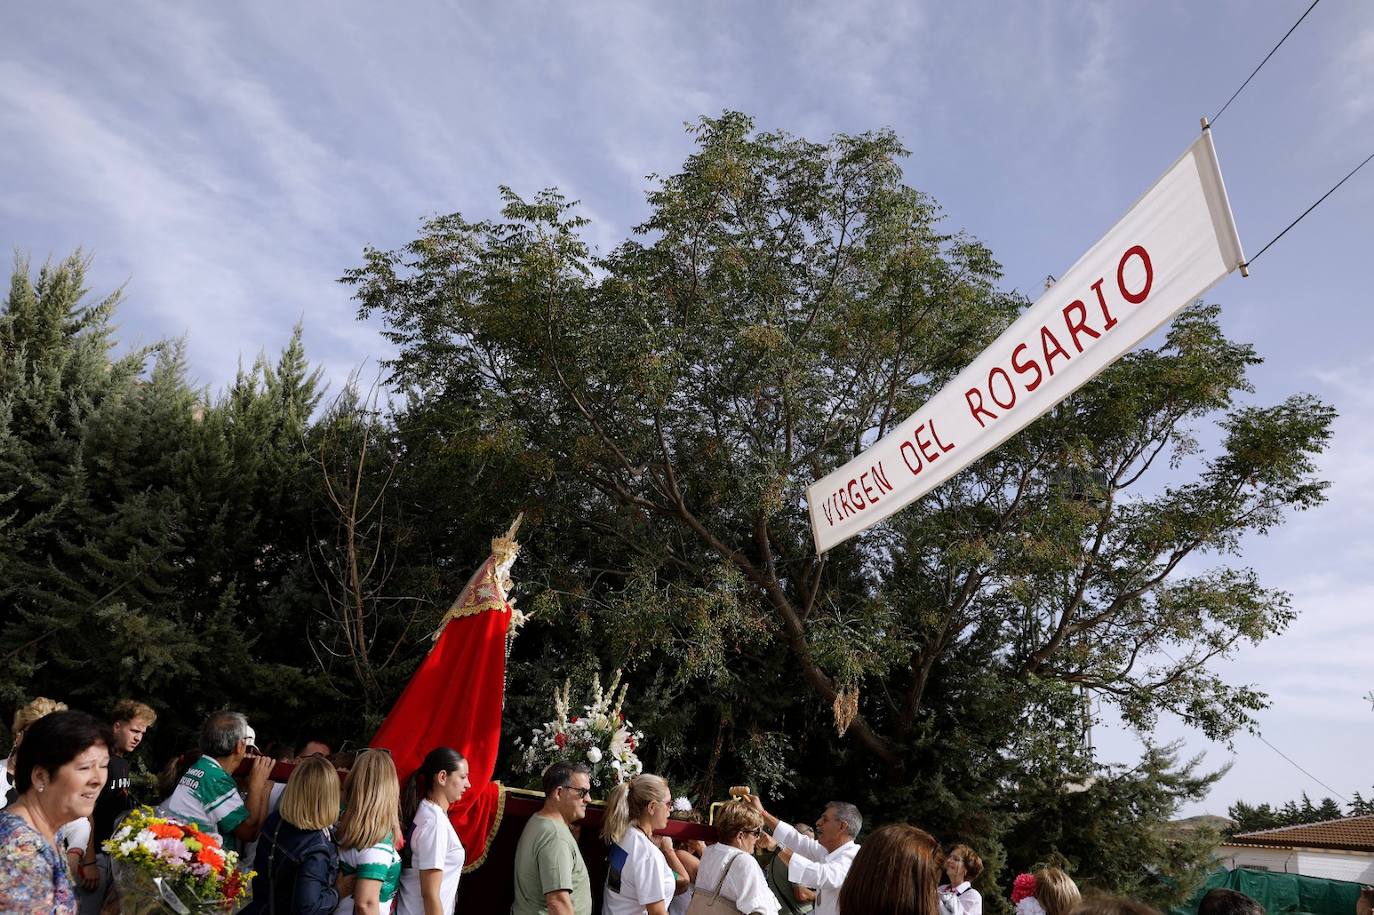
[(221, 733), (849, 815)]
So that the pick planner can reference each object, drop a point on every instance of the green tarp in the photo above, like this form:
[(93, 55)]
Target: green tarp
[(1281, 894)]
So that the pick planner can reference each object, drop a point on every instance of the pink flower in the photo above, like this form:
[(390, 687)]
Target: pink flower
[(1022, 887), (172, 850)]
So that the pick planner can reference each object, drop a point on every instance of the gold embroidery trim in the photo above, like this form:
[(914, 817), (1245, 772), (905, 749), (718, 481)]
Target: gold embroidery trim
[(491, 833)]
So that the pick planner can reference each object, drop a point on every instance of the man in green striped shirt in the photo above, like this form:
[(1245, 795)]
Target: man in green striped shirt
[(207, 794)]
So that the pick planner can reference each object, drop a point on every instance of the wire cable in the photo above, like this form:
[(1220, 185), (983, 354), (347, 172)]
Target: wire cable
[(1301, 769), (1285, 756), (1266, 60), (1311, 208)]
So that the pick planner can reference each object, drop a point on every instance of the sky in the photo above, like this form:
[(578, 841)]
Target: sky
[(225, 163)]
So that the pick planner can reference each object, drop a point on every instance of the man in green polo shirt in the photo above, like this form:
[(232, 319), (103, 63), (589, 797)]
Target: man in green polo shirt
[(550, 875), (207, 794)]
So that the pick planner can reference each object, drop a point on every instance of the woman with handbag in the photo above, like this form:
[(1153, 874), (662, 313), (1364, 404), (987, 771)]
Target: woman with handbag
[(296, 862), (730, 879)]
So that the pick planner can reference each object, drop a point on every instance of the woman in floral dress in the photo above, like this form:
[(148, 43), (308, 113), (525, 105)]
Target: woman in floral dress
[(61, 767)]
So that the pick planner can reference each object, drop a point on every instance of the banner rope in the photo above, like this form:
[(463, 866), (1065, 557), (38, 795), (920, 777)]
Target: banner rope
[(1266, 60), (1310, 209)]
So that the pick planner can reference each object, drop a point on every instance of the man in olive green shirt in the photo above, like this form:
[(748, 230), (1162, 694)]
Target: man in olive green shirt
[(550, 875)]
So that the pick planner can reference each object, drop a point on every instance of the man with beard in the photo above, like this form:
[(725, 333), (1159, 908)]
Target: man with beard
[(550, 875)]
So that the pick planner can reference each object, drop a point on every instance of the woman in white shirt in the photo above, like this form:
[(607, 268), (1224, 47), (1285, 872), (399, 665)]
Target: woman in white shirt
[(729, 869), (434, 855), (644, 872), (962, 864)]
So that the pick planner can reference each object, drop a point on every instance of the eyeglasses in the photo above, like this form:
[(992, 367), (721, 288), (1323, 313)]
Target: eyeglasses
[(580, 792), (755, 832)]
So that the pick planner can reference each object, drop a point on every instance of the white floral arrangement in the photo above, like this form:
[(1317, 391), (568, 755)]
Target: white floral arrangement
[(601, 737)]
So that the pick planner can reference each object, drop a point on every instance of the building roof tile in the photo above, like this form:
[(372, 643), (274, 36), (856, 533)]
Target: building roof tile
[(1345, 834)]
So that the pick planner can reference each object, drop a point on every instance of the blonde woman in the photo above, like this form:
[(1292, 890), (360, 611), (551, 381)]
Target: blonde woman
[(728, 867), (1056, 891), (296, 862), (644, 872), (25, 716), (366, 837)]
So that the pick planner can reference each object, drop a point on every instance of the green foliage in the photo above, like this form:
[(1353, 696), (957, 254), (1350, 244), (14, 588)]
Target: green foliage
[(658, 411), (785, 303), (1254, 817)]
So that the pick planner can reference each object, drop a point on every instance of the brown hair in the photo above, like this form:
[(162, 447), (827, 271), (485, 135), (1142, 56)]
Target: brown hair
[(736, 818), (1056, 891), (1113, 905), (372, 795), (973, 865), (1221, 901), (311, 798), (133, 710), (895, 873)]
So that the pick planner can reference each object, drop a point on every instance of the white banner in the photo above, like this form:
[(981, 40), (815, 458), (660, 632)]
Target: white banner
[(1174, 244)]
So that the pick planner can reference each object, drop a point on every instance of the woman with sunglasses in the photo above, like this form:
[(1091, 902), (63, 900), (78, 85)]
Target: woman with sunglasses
[(433, 855), (728, 868), (644, 873), (366, 834)]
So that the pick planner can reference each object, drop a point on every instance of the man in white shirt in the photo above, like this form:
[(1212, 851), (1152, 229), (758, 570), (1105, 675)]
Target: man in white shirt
[(822, 862)]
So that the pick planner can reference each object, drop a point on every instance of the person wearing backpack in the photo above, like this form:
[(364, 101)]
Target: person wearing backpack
[(297, 862)]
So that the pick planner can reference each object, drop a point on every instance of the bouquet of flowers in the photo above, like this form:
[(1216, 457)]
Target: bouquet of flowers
[(162, 864), (601, 737)]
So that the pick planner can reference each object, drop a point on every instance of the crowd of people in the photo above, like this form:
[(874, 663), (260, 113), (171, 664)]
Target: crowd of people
[(366, 843)]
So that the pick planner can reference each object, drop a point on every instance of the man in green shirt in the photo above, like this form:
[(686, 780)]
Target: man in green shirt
[(550, 875)]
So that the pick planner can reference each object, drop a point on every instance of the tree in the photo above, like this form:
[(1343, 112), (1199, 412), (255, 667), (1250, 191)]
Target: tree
[(785, 303), (1251, 818), (1114, 831)]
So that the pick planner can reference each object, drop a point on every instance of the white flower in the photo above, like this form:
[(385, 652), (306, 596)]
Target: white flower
[(681, 803), (593, 755)]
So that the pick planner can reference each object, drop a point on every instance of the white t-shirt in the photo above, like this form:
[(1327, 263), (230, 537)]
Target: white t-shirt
[(638, 875), (433, 845), (744, 884)]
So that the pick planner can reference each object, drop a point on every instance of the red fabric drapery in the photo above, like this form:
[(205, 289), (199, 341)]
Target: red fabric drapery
[(454, 700)]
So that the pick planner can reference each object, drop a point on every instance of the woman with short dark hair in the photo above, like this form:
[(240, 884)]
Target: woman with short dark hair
[(59, 771), (894, 873)]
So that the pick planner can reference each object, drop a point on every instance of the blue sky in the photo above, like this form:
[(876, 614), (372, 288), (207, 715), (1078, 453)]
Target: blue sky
[(227, 162)]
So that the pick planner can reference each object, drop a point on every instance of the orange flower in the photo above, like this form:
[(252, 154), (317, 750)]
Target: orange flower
[(166, 831), (211, 857)]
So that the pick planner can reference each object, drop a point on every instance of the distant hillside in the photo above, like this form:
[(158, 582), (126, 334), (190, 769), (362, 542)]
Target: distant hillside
[(1205, 821)]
